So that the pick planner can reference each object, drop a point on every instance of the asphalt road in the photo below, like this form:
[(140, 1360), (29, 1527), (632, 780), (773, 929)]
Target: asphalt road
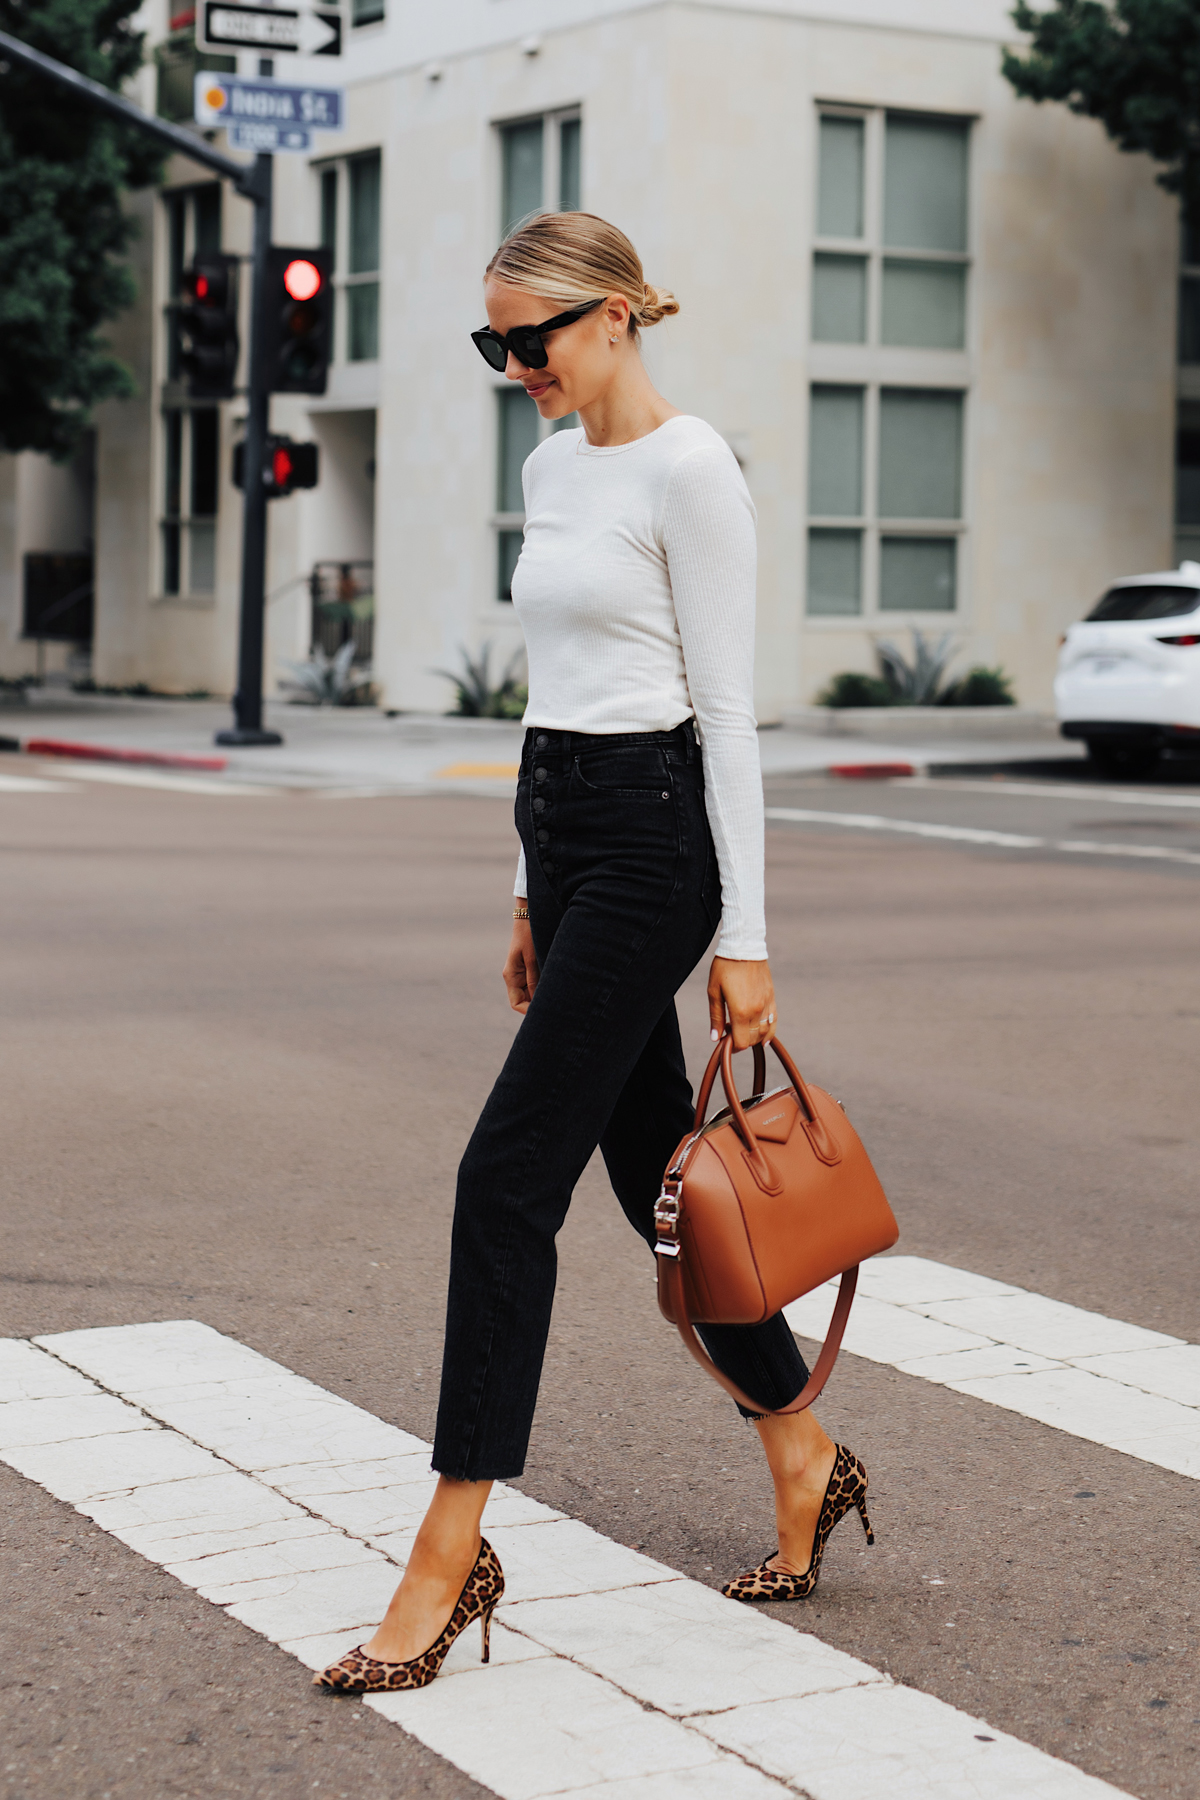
[(243, 1043)]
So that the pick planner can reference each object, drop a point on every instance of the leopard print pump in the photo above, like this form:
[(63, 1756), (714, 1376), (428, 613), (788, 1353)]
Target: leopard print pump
[(358, 1673), (847, 1488)]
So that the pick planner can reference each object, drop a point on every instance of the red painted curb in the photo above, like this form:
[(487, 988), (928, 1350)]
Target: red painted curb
[(870, 771), (155, 759)]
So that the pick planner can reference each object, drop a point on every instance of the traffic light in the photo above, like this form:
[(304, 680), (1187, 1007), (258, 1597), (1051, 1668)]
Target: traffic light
[(299, 319), (207, 320), (286, 467)]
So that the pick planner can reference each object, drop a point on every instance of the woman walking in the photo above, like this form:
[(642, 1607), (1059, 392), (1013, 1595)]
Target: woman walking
[(639, 809)]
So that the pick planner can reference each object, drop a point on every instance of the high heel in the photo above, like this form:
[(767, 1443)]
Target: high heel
[(847, 1489), (358, 1673)]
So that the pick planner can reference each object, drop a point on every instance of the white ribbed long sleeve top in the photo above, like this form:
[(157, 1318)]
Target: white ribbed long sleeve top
[(635, 591)]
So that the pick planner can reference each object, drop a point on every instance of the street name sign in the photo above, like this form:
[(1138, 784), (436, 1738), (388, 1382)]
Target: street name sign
[(230, 100), (303, 31), (266, 136)]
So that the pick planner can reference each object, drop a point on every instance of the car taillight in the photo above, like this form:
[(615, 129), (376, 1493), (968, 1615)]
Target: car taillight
[(1192, 637)]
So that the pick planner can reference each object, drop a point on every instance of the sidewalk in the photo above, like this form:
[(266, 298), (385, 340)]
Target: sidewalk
[(338, 748)]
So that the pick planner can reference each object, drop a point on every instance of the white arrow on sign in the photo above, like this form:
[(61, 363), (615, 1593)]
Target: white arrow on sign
[(318, 31)]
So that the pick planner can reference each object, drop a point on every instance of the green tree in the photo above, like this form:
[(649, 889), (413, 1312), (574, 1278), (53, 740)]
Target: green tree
[(63, 230), (1132, 64)]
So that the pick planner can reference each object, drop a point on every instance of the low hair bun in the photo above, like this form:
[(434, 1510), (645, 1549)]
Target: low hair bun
[(658, 303)]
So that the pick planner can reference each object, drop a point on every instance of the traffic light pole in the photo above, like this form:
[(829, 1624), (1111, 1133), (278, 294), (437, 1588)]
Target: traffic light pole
[(253, 182), (247, 702)]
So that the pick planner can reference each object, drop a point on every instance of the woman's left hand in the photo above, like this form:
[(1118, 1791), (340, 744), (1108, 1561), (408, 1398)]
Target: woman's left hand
[(741, 994)]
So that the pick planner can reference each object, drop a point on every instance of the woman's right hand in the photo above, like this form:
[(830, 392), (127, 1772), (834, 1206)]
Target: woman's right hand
[(520, 969)]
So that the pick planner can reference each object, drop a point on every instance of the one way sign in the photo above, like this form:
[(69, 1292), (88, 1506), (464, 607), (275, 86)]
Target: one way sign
[(293, 30)]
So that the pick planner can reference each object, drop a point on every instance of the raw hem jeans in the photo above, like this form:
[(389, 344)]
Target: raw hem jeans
[(624, 898)]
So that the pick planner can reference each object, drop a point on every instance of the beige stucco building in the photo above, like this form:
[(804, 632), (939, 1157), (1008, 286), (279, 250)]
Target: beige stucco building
[(938, 326)]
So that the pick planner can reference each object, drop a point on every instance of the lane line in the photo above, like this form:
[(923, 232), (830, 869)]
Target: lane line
[(30, 784), (1040, 791), (612, 1674), (969, 834), (1114, 1384), (114, 775)]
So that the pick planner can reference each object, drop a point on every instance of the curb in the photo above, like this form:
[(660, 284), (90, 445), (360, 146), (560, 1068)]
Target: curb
[(155, 759), (871, 771)]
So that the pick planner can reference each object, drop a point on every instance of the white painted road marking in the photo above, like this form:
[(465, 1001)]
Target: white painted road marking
[(111, 775), (968, 834), (612, 1675), (1114, 1384), (31, 784), (1037, 790)]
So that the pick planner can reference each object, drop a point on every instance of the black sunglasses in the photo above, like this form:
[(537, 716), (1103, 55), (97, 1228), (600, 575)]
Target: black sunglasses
[(525, 341)]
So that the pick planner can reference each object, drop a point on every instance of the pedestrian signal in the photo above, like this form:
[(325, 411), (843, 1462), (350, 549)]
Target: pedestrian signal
[(299, 319), (286, 467), (207, 323)]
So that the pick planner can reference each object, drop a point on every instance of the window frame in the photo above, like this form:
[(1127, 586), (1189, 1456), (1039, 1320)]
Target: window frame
[(552, 119), (343, 279), (499, 523), (873, 366), (870, 247), (181, 205)]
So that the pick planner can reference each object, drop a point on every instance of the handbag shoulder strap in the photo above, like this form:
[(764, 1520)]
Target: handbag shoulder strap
[(672, 1276)]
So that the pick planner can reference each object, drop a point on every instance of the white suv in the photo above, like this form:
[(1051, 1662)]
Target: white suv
[(1128, 679)]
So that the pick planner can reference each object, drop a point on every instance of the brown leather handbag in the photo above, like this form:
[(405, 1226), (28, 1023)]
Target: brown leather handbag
[(770, 1198)]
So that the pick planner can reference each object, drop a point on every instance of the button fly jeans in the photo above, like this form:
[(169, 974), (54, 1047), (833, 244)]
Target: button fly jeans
[(624, 898)]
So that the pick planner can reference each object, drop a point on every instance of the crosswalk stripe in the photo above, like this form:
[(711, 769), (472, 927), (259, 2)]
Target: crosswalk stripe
[(1119, 1385), (612, 1674)]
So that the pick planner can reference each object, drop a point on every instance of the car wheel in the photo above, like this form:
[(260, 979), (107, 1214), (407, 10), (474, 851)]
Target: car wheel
[(1125, 762)]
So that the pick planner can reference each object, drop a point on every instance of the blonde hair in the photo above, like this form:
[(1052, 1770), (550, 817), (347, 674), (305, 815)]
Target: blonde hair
[(575, 257)]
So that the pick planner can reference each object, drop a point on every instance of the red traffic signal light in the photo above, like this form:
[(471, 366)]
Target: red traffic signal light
[(298, 319), (302, 279), (286, 466), (207, 322)]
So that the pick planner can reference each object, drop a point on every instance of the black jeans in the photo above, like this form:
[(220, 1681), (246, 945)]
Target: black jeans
[(624, 898)]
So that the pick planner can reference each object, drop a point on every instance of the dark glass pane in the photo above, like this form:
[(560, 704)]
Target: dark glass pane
[(522, 173), (834, 573), (518, 421), (1149, 602), (205, 450), (362, 321), (835, 452), (924, 304), (839, 299), (1187, 474), (509, 546), (171, 559), (176, 242), (925, 184), (329, 200), (365, 180), (840, 178), (366, 12), (570, 149), (1189, 319), (207, 201), (173, 484), (917, 574), (920, 453)]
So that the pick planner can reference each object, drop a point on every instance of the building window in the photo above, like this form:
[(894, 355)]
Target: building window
[(884, 499), (193, 227), (519, 430), (540, 166), (351, 193), (366, 12), (891, 256), (191, 435), (191, 457)]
